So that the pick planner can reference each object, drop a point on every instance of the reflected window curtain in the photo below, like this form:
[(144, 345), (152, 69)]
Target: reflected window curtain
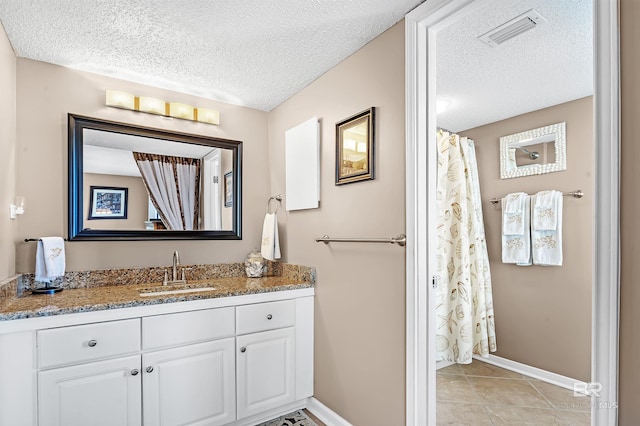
[(464, 302), (173, 184)]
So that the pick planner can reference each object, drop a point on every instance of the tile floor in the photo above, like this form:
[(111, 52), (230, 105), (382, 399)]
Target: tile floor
[(481, 394)]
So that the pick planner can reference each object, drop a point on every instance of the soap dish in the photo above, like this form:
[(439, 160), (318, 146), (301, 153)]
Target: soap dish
[(46, 290)]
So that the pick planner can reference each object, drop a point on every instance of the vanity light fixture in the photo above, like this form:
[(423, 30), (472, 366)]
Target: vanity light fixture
[(119, 99), (152, 105), (124, 100), (180, 110), (17, 208), (205, 115)]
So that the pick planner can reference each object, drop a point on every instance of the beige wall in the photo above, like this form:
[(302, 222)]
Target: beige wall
[(8, 148), (137, 201), (46, 93), (543, 314), (360, 307), (629, 409)]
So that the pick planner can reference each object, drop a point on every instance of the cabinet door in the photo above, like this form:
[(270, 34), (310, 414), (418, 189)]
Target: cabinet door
[(190, 385), (266, 369), (102, 393)]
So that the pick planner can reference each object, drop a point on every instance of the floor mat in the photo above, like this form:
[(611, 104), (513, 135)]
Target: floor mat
[(297, 418)]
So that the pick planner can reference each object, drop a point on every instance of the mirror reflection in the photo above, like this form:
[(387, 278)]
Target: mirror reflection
[(174, 183), (533, 152)]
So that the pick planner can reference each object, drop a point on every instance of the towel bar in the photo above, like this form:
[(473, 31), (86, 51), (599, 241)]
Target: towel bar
[(27, 240), (400, 240), (578, 193)]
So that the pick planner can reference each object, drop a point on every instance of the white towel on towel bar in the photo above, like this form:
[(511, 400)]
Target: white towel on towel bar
[(270, 247), (516, 248), (513, 214), (546, 244), (545, 211), (50, 260)]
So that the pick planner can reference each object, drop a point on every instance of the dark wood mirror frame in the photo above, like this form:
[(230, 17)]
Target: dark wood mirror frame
[(78, 123)]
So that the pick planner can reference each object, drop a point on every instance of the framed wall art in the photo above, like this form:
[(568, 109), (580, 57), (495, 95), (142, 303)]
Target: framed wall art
[(355, 148), (108, 202)]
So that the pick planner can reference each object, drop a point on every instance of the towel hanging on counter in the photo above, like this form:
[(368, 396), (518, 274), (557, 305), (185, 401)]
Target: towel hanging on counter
[(516, 235), (50, 259), (270, 247), (546, 228)]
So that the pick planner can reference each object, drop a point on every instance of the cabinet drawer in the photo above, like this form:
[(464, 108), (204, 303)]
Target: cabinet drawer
[(187, 327), (76, 344), (265, 316)]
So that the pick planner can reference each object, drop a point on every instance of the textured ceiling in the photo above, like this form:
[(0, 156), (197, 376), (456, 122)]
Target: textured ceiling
[(549, 65), (255, 53)]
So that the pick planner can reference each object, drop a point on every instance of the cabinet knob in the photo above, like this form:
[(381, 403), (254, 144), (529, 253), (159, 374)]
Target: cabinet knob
[(243, 349), (92, 343), (149, 369), (269, 316), (134, 372)]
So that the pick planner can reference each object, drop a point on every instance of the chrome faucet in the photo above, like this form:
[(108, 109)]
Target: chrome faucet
[(176, 263), (174, 272)]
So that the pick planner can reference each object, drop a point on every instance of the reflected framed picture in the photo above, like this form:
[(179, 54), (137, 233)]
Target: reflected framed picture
[(107, 202), (228, 189), (355, 148)]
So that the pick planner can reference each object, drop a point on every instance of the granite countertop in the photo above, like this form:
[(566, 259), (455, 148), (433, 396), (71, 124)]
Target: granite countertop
[(76, 300)]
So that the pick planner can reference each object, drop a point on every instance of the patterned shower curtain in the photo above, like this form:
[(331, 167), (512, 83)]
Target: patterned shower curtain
[(464, 303)]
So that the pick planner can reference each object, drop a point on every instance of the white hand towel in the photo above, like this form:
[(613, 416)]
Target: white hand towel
[(547, 244), (517, 248), (545, 211), (270, 247), (513, 214), (50, 261)]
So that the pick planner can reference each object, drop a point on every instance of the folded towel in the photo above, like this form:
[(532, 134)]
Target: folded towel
[(517, 248), (513, 213), (50, 262), (545, 211), (547, 244), (270, 241)]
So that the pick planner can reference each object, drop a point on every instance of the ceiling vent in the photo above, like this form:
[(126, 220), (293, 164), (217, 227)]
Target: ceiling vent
[(512, 28)]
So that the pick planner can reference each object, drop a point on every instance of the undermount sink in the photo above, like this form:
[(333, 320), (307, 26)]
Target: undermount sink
[(175, 289)]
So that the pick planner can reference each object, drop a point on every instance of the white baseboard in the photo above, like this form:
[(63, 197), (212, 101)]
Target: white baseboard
[(527, 370), (325, 414)]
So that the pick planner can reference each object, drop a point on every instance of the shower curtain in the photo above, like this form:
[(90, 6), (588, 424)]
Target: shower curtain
[(173, 184), (464, 302)]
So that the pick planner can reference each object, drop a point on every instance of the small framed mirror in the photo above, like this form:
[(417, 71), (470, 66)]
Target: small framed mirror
[(354, 148), (534, 152)]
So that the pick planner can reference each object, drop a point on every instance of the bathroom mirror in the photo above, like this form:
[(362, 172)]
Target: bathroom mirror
[(174, 183), (534, 152)]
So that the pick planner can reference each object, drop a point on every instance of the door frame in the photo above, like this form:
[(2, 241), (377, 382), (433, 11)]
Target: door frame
[(421, 27)]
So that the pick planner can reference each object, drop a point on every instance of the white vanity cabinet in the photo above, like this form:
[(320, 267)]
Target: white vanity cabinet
[(229, 361), (266, 359), (190, 385), (103, 393), (193, 383)]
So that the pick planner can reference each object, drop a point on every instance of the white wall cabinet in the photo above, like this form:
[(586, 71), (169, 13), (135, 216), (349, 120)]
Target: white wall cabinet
[(191, 385), (227, 365)]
